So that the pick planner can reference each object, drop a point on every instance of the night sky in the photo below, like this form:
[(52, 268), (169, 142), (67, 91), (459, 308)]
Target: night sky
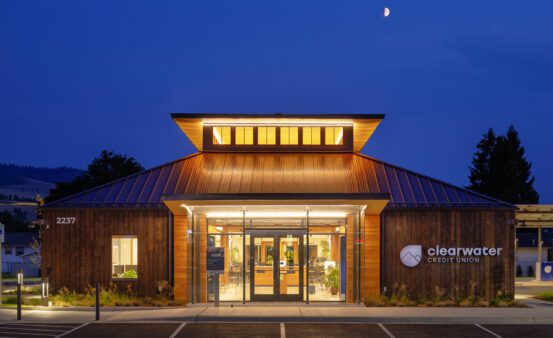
[(77, 77)]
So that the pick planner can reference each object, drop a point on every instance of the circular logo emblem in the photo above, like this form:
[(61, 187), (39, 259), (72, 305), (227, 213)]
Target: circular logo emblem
[(547, 269), (411, 255)]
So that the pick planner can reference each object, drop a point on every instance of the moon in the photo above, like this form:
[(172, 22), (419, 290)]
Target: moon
[(386, 12)]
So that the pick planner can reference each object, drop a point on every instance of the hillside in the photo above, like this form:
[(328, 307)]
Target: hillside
[(25, 182)]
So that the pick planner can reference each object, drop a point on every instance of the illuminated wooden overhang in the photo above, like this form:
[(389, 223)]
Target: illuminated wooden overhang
[(534, 215), (364, 125), (369, 203)]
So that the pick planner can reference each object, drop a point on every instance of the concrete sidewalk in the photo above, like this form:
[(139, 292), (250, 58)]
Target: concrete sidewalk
[(542, 313)]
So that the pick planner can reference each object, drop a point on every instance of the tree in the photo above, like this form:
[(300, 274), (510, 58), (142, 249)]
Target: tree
[(501, 170), (105, 168), (480, 170)]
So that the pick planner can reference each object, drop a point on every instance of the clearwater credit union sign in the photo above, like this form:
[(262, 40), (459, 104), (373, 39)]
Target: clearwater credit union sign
[(412, 255)]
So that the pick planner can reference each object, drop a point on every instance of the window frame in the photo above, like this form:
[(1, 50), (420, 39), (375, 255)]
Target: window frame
[(244, 133), (303, 131), (289, 129), (222, 135), (136, 258), (266, 136), (333, 130)]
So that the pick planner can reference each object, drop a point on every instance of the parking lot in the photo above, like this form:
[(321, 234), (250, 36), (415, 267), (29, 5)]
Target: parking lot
[(279, 330)]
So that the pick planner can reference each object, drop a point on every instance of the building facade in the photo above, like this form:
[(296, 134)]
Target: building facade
[(281, 208)]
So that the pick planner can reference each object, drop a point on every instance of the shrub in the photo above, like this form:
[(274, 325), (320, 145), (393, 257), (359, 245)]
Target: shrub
[(546, 296), (164, 290), (530, 271)]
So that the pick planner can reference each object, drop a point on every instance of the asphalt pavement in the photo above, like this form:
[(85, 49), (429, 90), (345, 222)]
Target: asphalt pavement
[(268, 330)]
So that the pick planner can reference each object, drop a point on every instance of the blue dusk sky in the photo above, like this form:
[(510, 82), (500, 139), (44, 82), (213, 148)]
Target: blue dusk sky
[(77, 77)]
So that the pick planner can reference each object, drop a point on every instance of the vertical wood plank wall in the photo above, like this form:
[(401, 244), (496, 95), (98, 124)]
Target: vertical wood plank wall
[(450, 228), (371, 264), (180, 259), (78, 255)]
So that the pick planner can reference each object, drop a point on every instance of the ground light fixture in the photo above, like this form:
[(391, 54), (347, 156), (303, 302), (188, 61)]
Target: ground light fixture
[(44, 292), (19, 285)]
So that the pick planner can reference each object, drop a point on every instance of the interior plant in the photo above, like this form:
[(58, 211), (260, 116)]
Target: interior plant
[(290, 257), (332, 280), (130, 274)]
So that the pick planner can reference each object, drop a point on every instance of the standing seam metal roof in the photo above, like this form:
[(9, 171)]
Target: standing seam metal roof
[(263, 173)]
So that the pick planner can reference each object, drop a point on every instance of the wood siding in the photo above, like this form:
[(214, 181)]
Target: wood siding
[(449, 228), (77, 255), (180, 259), (371, 258)]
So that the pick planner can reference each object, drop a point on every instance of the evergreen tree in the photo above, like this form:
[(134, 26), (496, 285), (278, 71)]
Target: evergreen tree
[(501, 170), (105, 168), (480, 170)]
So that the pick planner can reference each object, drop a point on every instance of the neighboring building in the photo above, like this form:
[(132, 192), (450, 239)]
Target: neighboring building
[(534, 234), (300, 213), (18, 254)]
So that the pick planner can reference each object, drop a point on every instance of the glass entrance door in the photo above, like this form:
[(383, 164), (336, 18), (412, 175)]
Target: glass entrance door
[(277, 266)]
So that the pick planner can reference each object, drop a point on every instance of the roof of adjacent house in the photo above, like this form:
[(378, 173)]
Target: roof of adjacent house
[(19, 238), (278, 173)]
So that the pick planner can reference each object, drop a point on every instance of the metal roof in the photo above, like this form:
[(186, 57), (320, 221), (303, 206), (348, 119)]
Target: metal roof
[(278, 173)]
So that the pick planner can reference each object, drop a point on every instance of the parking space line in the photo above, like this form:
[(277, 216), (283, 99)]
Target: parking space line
[(488, 331), (29, 329), (37, 324), (385, 330), (282, 331), (177, 330), (73, 330), (30, 334)]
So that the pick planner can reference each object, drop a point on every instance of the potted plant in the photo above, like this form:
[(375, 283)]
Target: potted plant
[(289, 257), (332, 280)]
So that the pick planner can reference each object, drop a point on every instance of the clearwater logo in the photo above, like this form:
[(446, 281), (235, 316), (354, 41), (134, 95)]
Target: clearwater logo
[(411, 255)]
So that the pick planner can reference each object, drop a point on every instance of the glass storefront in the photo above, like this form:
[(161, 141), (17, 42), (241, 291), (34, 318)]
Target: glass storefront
[(284, 257)]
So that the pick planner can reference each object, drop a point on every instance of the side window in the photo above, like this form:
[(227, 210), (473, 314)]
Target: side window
[(334, 135), (19, 250), (221, 135), (8, 250), (311, 135), (124, 257)]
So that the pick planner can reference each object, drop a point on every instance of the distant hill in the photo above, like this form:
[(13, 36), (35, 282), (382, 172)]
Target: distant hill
[(24, 182)]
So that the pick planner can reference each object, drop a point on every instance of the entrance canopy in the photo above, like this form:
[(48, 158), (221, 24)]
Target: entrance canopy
[(277, 205)]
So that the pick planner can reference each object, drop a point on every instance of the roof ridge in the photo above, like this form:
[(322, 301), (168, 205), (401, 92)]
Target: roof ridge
[(49, 204), (435, 179)]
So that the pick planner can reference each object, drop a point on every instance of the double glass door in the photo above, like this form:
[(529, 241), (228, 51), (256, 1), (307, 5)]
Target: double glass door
[(276, 266)]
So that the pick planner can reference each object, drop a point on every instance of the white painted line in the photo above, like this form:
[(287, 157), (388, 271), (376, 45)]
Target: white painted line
[(488, 331), (37, 324), (385, 330), (282, 331), (72, 330), (31, 334), (29, 329), (177, 330)]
